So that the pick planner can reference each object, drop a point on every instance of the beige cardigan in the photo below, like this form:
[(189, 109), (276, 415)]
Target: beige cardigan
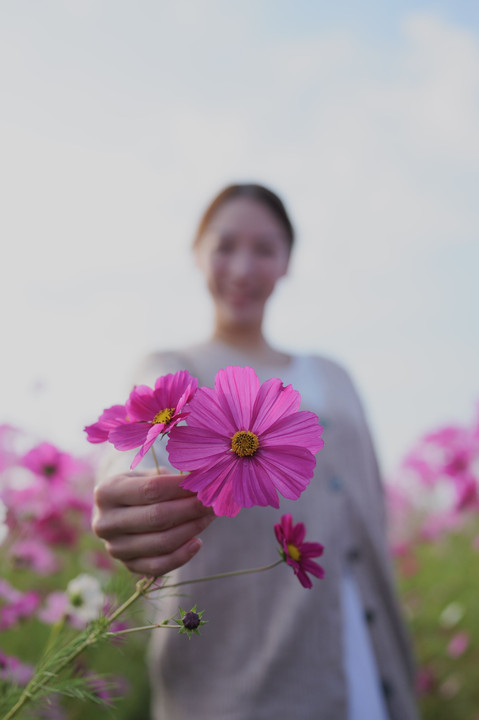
[(272, 649)]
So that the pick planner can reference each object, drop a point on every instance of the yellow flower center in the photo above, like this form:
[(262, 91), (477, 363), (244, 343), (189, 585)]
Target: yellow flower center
[(164, 416), (293, 552), (244, 443)]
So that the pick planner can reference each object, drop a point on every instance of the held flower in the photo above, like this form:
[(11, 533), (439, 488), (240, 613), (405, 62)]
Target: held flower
[(109, 419), (244, 442), (296, 552), (153, 412)]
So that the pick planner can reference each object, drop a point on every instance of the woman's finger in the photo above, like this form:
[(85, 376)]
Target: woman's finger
[(155, 517), (148, 545), (159, 566), (139, 489)]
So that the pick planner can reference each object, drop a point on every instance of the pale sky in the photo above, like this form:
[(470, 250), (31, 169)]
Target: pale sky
[(120, 120)]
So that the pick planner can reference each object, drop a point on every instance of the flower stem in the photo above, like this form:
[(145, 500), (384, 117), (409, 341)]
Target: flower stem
[(232, 573), (143, 627), (142, 586), (155, 459)]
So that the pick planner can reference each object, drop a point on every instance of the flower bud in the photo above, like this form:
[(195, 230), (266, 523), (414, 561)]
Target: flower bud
[(191, 620)]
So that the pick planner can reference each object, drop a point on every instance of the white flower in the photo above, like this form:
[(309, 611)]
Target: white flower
[(3, 524), (86, 598)]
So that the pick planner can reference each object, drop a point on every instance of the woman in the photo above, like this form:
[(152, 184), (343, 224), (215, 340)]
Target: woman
[(272, 649)]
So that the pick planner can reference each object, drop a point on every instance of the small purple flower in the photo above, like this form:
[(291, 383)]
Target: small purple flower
[(298, 553)]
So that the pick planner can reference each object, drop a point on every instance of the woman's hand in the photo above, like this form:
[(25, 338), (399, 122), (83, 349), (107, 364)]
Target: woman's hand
[(148, 521)]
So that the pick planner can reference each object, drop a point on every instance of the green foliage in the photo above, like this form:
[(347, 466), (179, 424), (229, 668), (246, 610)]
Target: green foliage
[(121, 664), (439, 591)]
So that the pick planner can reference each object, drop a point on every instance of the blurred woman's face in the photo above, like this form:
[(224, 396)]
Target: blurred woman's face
[(243, 252)]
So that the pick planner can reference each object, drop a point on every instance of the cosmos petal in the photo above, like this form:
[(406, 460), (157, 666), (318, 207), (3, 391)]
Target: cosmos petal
[(303, 578), (251, 486), (191, 448), (110, 418), (299, 429), (141, 405), (214, 488), (153, 433), (170, 388), (273, 402), (207, 412), (298, 533), (312, 567), (129, 435), (289, 468), (237, 387)]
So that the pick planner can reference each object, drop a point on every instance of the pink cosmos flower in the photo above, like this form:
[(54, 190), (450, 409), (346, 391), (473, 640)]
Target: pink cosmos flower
[(244, 442), (458, 644), (47, 461), (56, 528), (153, 412), (298, 553), (108, 689), (467, 492), (35, 555), (55, 607), (109, 419), (13, 670), (425, 680), (8, 592), (21, 608)]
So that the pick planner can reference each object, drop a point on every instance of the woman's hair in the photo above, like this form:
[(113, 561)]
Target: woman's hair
[(259, 194)]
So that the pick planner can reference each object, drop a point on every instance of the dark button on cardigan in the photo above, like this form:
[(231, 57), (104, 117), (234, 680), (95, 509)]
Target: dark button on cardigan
[(353, 555)]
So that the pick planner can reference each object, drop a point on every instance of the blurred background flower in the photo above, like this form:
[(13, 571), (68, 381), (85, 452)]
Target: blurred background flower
[(56, 574)]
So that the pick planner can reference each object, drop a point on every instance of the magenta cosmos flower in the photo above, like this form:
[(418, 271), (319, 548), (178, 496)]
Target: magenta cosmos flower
[(296, 552), (47, 461), (244, 442), (153, 412), (109, 419)]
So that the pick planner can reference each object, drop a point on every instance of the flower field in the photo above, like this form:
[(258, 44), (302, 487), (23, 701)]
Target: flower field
[(57, 576), (434, 524)]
